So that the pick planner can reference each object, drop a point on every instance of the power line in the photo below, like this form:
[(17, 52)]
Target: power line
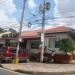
[(67, 12), (38, 20)]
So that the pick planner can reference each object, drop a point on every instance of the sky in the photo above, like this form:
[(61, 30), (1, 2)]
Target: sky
[(62, 12)]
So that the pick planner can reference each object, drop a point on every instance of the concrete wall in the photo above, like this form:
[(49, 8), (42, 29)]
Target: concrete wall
[(31, 50), (51, 39)]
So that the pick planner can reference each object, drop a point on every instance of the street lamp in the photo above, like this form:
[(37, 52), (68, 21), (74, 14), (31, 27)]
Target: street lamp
[(19, 36), (43, 7)]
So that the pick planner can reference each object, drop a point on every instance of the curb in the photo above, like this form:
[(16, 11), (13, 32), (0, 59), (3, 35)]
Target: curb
[(43, 73), (12, 71), (1, 66), (40, 73)]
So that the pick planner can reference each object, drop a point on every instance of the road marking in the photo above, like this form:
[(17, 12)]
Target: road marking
[(13, 71)]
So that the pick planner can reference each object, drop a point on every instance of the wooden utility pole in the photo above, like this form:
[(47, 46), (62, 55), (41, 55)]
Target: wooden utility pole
[(42, 32), (19, 36), (45, 6)]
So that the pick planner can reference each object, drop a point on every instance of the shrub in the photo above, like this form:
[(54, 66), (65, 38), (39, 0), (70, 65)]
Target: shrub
[(67, 45)]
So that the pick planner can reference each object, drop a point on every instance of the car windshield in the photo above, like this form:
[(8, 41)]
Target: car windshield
[(13, 50)]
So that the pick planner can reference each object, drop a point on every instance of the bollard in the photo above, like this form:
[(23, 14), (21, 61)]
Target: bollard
[(17, 61)]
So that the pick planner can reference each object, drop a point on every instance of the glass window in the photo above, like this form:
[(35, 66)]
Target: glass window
[(49, 43), (21, 50), (13, 44), (57, 44), (13, 50), (35, 44)]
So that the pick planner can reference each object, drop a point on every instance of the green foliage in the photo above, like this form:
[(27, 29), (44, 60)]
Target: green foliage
[(2, 30), (10, 35), (4, 35), (12, 30), (67, 45)]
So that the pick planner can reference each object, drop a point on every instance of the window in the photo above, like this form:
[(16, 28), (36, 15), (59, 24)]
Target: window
[(57, 44), (13, 50), (49, 43), (21, 50), (35, 44), (13, 43)]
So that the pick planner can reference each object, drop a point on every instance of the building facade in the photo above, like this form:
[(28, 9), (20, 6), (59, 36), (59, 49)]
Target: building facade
[(32, 40)]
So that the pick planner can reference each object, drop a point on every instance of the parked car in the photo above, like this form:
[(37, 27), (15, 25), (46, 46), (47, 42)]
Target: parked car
[(9, 53)]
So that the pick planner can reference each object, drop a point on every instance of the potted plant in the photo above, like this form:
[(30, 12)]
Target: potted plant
[(68, 47)]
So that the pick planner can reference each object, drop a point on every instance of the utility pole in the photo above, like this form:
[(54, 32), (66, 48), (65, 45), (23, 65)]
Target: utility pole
[(19, 36), (45, 6), (42, 32)]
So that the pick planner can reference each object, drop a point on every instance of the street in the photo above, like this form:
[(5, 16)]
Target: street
[(7, 72)]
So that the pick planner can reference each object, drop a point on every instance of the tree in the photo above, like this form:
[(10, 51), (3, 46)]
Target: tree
[(5, 36), (13, 33), (12, 30), (67, 45), (2, 30)]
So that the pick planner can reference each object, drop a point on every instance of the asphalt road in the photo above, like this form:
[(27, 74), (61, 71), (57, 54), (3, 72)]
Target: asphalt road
[(7, 72)]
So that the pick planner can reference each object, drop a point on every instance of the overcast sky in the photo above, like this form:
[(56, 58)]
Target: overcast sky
[(62, 10), (66, 9)]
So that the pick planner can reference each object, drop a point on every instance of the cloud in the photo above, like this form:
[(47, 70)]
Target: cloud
[(31, 4), (10, 6), (7, 8), (66, 8)]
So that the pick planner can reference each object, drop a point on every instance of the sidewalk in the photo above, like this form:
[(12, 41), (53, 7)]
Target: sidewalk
[(41, 67)]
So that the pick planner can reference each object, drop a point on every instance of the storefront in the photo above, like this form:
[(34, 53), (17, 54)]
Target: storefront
[(8, 42)]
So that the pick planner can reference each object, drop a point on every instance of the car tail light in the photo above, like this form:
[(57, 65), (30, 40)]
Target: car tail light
[(7, 52)]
